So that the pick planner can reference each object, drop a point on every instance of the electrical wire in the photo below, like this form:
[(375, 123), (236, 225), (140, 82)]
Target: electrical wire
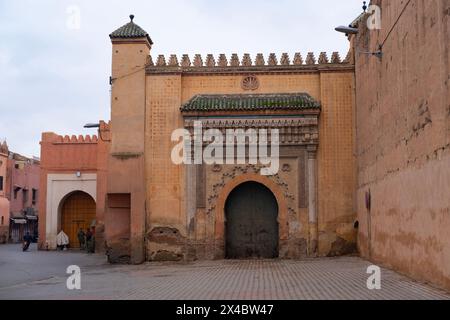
[(398, 19), (128, 74)]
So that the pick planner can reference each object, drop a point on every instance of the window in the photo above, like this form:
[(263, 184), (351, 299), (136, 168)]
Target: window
[(1, 183), (34, 196), (16, 190), (25, 197)]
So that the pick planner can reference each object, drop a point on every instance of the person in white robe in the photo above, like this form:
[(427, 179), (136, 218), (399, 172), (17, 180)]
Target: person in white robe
[(62, 240)]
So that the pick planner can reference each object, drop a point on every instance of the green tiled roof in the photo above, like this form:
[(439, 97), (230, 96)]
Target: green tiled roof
[(129, 31), (250, 102)]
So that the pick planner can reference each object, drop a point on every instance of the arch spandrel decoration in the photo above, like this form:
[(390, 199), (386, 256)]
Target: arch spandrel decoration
[(238, 175)]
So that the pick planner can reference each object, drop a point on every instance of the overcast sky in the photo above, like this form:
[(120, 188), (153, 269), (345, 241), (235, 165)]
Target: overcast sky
[(55, 78)]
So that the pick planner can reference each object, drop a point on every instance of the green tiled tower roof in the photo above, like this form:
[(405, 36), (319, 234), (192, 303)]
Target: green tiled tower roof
[(129, 31), (250, 102)]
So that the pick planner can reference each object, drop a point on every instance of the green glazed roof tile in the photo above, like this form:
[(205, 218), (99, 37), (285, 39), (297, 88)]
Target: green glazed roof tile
[(129, 31), (251, 102)]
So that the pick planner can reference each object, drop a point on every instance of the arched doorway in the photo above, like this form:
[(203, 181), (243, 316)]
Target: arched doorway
[(78, 211), (251, 225)]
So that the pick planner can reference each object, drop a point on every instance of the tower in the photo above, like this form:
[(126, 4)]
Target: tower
[(125, 199)]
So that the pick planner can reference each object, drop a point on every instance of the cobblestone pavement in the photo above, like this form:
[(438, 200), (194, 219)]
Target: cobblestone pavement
[(322, 278)]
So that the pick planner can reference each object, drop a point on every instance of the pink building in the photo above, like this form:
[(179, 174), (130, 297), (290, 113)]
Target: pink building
[(19, 194), (24, 194), (4, 202)]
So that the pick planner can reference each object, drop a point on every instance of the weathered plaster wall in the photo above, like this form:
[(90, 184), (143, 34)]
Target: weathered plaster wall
[(165, 180), (403, 140), (126, 174), (335, 162)]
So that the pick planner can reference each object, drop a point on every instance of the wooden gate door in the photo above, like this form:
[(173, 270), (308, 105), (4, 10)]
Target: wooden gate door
[(78, 211), (251, 222)]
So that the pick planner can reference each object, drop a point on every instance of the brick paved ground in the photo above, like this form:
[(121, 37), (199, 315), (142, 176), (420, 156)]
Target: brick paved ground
[(324, 278)]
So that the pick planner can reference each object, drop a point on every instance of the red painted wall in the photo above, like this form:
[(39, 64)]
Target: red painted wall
[(64, 154)]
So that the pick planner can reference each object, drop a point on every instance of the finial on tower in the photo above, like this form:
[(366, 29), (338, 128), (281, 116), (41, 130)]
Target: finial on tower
[(364, 6), (130, 31)]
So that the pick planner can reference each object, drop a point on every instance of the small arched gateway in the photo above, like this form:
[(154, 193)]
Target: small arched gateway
[(77, 211), (251, 225), (70, 203)]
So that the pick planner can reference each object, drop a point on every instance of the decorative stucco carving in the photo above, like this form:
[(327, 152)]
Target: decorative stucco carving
[(233, 172), (196, 64), (310, 59), (210, 62), (246, 60), (173, 61), (198, 61), (234, 60), (272, 60), (298, 60), (335, 58), (250, 83), (185, 61), (285, 61), (223, 62), (161, 61), (323, 58), (292, 131), (259, 61)]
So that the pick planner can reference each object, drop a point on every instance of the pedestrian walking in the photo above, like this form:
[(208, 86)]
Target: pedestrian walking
[(81, 238), (26, 241), (90, 241)]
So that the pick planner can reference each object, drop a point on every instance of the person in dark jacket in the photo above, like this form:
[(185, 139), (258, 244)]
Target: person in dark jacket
[(81, 238), (27, 241), (89, 241)]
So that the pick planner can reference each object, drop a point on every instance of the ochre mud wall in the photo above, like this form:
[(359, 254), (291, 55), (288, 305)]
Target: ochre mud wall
[(403, 140)]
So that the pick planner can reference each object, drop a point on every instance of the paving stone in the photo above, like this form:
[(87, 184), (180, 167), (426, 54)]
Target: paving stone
[(339, 278)]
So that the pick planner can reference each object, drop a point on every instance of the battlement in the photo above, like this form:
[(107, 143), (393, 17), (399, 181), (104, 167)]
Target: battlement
[(80, 139), (51, 137), (66, 139), (173, 64)]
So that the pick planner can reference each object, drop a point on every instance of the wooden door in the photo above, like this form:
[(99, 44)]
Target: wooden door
[(251, 222), (78, 211)]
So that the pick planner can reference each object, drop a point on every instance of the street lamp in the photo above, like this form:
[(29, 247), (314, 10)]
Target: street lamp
[(346, 30), (96, 125), (92, 125), (351, 30)]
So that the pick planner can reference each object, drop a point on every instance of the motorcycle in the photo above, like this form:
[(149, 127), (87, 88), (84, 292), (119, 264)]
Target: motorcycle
[(25, 245)]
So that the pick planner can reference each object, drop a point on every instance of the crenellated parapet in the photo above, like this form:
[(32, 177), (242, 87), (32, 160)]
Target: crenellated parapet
[(54, 138), (222, 63), (78, 139)]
